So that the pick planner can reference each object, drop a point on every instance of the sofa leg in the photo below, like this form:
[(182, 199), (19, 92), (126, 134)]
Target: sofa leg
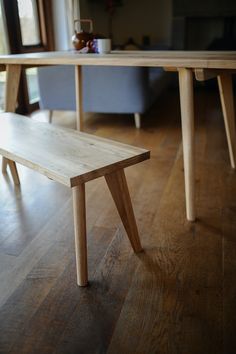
[(50, 113), (137, 119)]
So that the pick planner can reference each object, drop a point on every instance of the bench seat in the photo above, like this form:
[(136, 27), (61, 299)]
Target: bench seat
[(73, 158), (64, 155)]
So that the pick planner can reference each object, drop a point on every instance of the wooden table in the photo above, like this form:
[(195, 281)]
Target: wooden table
[(203, 65)]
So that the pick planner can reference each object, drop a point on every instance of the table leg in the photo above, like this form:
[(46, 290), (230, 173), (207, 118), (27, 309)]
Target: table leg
[(79, 98), (117, 184), (13, 73), (227, 102), (79, 208), (187, 117)]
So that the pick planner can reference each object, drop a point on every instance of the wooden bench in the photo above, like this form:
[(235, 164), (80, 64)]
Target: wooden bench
[(73, 158)]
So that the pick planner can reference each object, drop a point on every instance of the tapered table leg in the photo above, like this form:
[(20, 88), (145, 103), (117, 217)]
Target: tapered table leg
[(187, 117), (79, 98), (13, 73), (227, 102), (117, 184), (80, 234)]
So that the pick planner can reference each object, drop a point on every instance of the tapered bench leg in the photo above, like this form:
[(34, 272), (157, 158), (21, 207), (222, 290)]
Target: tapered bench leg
[(227, 102), (80, 234), (117, 184)]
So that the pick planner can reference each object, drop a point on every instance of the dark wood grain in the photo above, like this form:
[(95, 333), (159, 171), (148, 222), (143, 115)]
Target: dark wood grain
[(177, 297)]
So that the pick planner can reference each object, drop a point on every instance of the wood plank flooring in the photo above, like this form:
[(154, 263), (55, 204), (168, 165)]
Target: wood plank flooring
[(177, 297)]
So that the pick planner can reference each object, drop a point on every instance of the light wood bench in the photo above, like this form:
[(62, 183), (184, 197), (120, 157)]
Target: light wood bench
[(73, 158)]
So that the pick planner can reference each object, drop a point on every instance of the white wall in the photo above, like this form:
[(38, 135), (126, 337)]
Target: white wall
[(60, 25), (64, 11)]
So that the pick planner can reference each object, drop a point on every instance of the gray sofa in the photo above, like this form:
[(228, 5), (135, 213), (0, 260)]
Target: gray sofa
[(106, 89)]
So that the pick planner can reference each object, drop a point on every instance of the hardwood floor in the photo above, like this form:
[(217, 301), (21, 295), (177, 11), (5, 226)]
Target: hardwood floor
[(179, 296)]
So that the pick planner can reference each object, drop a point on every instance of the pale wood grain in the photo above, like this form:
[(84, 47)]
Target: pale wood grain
[(118, 187), (14, 172), (12, 84), (79, 98), (187, 116), (170, 60), (227, 102), (4, 165), (208, 74), (171, 298), (137, 120), (170, 69), (13, 73), (80, 234), (64, 155), (3, 67), (178, 59)]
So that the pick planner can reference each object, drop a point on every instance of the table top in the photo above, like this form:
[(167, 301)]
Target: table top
[(177, 59), (64, 155)]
